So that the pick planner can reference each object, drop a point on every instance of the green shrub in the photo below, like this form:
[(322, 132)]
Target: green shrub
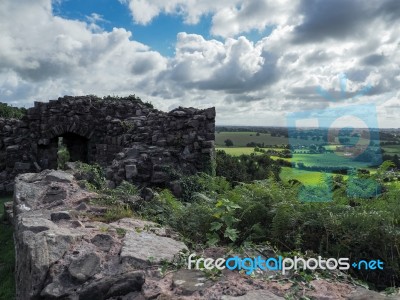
[(116, 213), (7, 111), (62, 156), (270, 211), (246, 168), (93, 175), (202, 183)]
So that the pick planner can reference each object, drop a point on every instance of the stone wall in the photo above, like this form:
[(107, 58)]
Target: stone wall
[(135, 141)]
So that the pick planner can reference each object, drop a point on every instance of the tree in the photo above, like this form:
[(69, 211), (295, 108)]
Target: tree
[(7, 111), (228, 143)]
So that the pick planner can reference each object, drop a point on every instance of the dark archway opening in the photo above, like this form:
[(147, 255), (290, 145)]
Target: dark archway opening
[(77, 147)]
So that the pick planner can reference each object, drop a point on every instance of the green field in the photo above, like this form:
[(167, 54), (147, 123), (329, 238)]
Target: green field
[(305, 177), (322, 160), (7, 256), (327, 160), (242, 138), (392, 149), (236, 151)]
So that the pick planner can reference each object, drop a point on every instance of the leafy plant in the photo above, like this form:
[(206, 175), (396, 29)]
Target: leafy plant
[(93, 174), (63, 155), (223, 227)]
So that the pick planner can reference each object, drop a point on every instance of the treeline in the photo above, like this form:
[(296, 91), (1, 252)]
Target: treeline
[(246, 168), (273, 131), (7, 111)]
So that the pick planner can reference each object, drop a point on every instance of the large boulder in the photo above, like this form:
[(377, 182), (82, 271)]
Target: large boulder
[(62, 253)]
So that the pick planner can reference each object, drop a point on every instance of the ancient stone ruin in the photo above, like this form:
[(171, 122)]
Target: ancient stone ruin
[(134, 141)]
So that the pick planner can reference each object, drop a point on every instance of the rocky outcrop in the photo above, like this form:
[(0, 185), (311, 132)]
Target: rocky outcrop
[(62, 253), (137, 142)]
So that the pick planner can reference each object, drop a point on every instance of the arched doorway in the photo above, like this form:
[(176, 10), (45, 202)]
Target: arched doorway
[(76, 145)]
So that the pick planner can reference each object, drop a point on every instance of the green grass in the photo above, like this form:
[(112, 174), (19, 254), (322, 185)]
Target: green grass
[(305, 177), (237, 151), (7, 258)]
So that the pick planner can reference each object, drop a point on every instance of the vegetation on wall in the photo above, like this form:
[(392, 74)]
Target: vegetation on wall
[(7, 111)]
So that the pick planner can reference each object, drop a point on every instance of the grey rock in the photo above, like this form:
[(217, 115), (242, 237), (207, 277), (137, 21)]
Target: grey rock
[(13, 148), (103, 241), (142, 248), (58, 176), (60, 215), (190, 281), (112, 286), (39, 251), (54, 193), (19, 166), (35, 224), (82, 206), (53, 290), (179, 113), (363, 294), (147, 194), (131, 171), (84, 267)]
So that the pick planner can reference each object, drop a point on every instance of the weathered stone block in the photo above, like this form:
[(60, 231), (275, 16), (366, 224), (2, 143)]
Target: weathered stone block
[(159, 177), (84, 267), (131, 171), (143, 249), (19, 166)]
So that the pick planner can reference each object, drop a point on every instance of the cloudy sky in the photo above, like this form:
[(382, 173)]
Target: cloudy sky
[(254, 60)]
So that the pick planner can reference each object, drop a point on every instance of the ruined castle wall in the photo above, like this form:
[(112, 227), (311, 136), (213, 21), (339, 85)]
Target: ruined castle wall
[(135, 141)]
